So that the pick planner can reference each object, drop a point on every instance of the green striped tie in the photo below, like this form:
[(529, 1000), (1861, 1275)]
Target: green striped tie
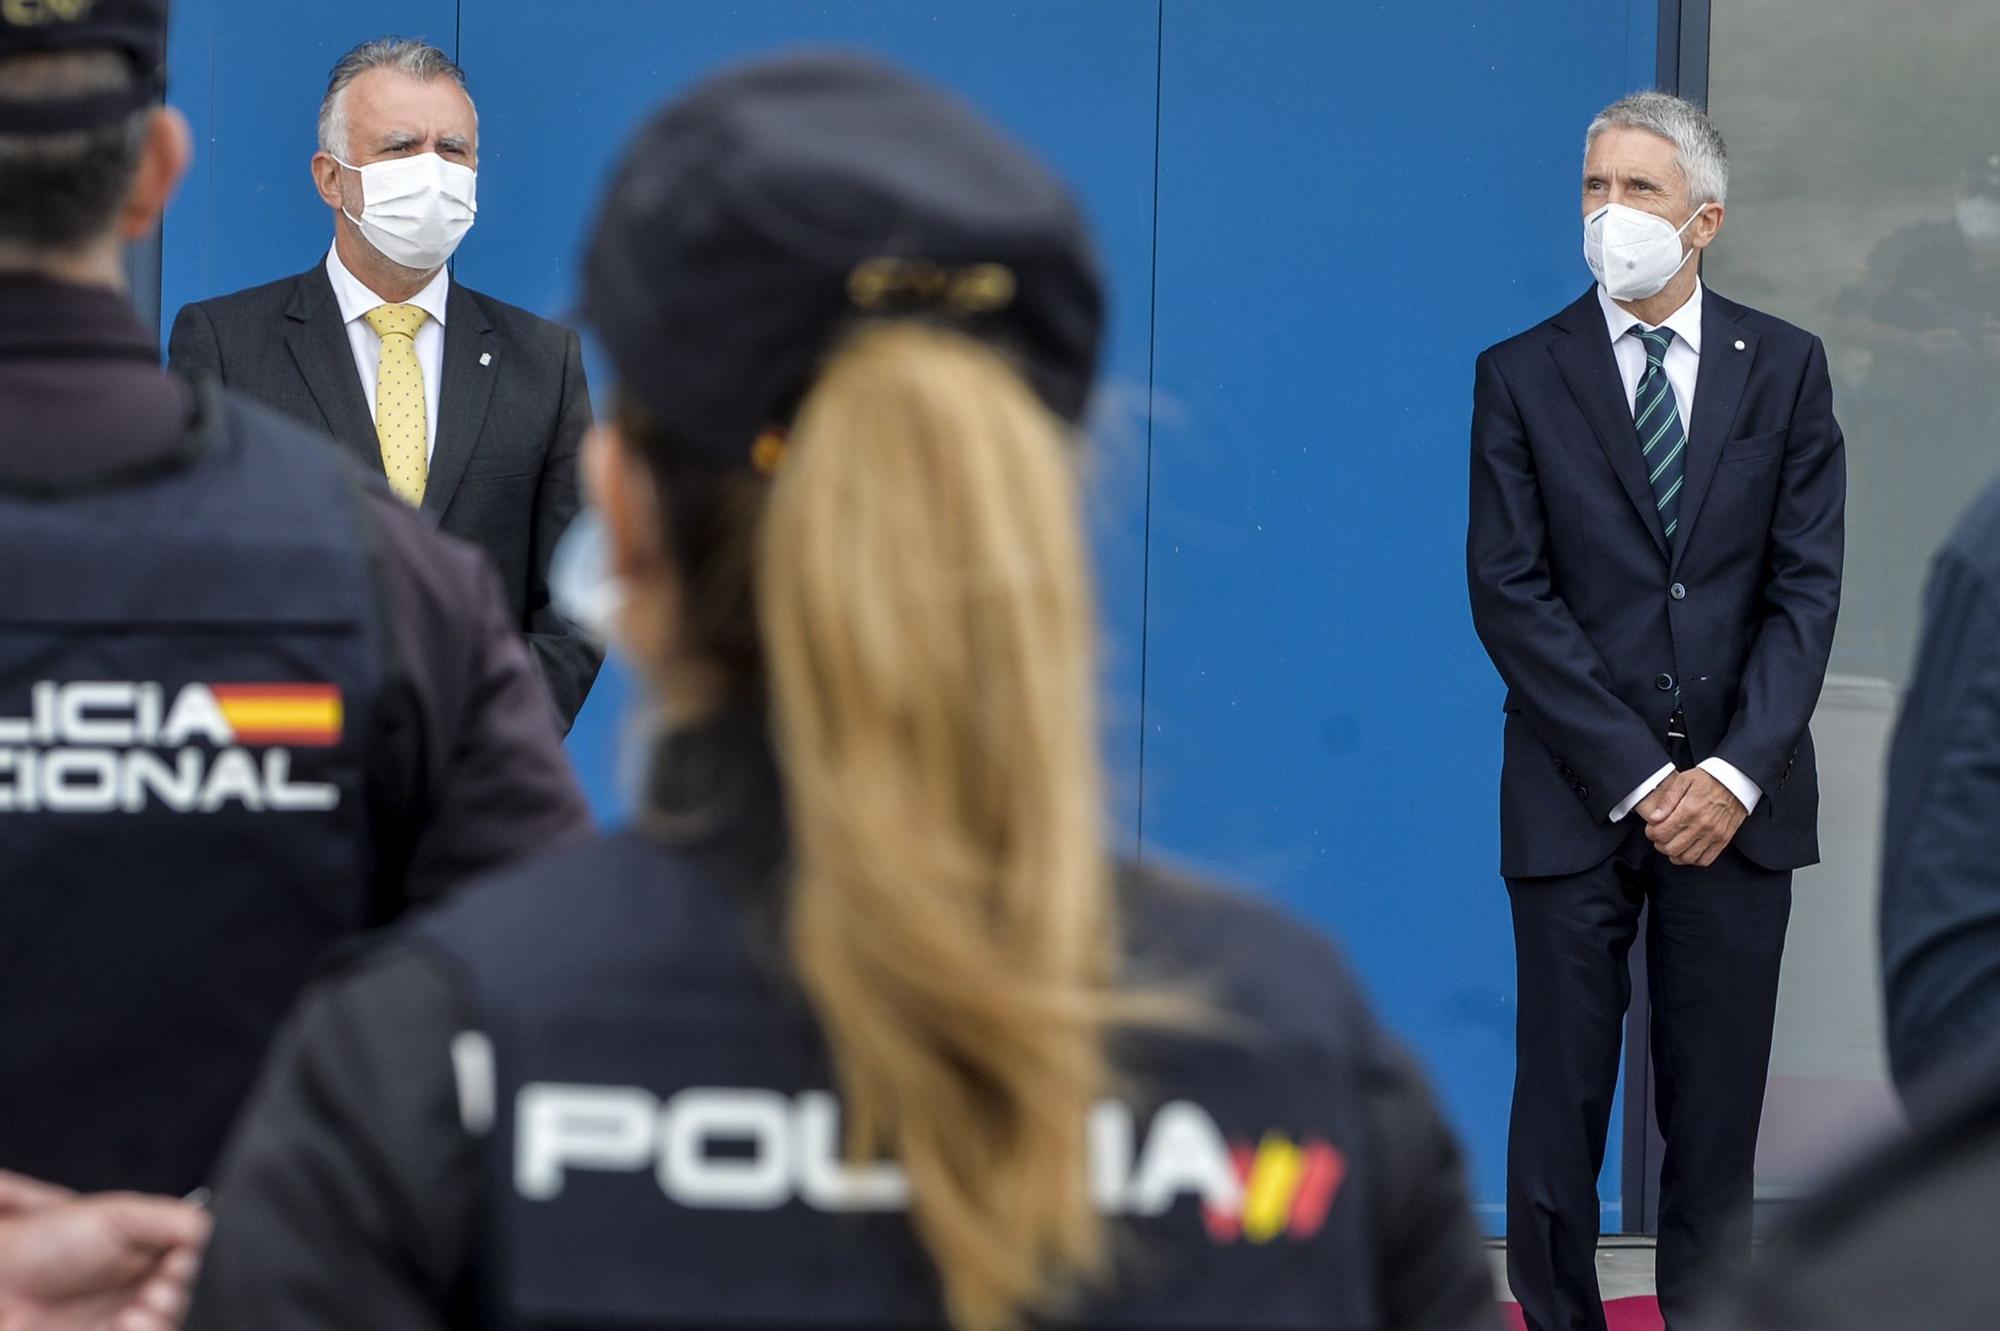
[(1660, 434)]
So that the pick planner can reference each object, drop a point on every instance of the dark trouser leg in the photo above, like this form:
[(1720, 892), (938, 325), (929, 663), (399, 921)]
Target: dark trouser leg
[(1712, 953), (1571, 936)]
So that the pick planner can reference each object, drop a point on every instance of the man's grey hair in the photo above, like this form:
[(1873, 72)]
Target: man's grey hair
[(59, 193), (1698, 145), (409, 56)]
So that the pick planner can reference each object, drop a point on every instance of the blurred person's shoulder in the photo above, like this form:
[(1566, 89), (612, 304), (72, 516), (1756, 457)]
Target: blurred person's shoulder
[(1255, 957), (1897, 1238), (1975, 540), (606, 906)]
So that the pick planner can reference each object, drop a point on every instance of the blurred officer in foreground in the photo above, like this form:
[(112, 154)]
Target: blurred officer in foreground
[(1941, 840), (115, 1262), (248, 704), (858, 1026), (1903, 1238)]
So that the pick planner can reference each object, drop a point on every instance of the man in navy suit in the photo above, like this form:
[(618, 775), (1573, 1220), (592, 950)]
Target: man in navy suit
[(1654, 555)]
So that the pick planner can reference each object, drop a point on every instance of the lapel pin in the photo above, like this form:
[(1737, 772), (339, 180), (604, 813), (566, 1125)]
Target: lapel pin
[(1739, 347), (486, 357)]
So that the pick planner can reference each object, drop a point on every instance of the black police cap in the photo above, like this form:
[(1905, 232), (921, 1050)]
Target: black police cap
[(756, 219), (138, 28)]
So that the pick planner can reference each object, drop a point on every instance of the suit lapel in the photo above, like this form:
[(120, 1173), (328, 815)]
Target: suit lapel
[(1718, 392), (1582, 351), (471, 359), (318, 342)]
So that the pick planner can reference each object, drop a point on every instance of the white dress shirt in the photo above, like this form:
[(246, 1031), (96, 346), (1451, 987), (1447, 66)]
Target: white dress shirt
[(356, 300), (1683, 366)]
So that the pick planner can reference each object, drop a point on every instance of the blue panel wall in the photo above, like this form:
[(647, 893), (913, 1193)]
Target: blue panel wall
[(1354, 200), (1351, 201)]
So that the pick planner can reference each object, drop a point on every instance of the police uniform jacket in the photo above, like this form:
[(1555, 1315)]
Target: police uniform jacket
[(1941, 843), (248, 705), (587, 1094)]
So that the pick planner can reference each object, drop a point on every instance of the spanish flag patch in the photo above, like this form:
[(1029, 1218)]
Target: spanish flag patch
[(300, 715)]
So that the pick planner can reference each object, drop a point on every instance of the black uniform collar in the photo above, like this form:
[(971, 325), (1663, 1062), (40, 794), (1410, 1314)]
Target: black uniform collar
[(713, 790), (81, 392), (43, 319), (714, 795)]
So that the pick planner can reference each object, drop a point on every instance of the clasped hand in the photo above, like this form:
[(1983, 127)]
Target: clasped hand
[(111, 1262), (1691, 817)]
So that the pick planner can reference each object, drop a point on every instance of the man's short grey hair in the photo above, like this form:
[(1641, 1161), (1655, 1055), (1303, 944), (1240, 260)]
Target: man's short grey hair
[(59, 193), (409, 56), (1698, 145)]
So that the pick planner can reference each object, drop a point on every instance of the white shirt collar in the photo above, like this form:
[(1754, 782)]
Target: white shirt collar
[(1685, 321), (356, 299)]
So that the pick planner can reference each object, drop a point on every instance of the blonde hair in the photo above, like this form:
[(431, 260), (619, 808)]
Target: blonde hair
[(927, 634)]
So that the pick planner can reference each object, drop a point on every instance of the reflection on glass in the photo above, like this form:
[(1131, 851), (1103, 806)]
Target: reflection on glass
[(1865, 205)]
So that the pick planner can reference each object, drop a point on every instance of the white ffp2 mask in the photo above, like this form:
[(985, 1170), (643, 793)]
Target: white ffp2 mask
[(416, 209), (1979, 223), (582, 586), (1633, 253)]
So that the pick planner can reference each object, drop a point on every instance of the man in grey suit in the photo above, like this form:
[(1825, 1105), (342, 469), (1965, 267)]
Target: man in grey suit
[(472, 409)]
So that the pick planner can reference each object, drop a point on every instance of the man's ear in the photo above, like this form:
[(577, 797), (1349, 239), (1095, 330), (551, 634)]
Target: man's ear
[(620, 488), (1706, 224), (164, 158), (326, 178)]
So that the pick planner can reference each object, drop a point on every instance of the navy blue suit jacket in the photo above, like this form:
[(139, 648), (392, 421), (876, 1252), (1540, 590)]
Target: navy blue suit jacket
[(1594, 618)]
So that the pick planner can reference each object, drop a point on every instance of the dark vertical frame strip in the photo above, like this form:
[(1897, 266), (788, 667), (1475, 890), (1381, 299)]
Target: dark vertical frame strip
[(1693, 83), (1682, 61), (144, 275), (1152, 351)]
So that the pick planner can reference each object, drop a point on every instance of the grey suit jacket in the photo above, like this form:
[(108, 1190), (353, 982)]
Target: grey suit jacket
[(512, 412)]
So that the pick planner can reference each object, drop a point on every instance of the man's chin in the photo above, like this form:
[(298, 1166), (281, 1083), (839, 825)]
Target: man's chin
[(366, 250)]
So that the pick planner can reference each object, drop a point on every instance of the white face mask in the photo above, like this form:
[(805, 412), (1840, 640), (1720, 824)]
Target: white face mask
[(415, 210), (1632, 253), (1979, 223), (582, 586)]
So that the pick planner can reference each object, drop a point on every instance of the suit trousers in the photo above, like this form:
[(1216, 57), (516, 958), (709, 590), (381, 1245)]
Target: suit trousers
[(1714, 940)]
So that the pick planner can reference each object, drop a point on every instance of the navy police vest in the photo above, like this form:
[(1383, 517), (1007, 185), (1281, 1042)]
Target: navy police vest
[(189, 663), (663, 1148)]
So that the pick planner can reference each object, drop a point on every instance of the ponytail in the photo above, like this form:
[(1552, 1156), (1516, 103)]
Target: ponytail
[(927, 630)]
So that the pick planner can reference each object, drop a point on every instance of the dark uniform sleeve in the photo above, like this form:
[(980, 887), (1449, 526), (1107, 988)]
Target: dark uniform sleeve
[(471, 774), (1941, 858), (348, 1197), (192, 346), (1432, 1264)]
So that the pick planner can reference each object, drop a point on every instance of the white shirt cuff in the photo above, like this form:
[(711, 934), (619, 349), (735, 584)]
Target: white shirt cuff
[(1647, 787), (1746, 791)]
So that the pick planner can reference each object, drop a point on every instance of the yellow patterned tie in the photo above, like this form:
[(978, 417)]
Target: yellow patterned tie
[(401, 422)]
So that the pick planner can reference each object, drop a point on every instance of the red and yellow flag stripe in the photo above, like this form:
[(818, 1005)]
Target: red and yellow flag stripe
[(306, 715), (1288, 1188)]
